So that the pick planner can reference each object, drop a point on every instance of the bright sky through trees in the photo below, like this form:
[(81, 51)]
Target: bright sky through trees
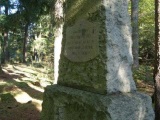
[(14, 3)]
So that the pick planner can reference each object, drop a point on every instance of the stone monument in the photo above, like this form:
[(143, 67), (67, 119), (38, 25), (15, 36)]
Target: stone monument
[(95, 78)]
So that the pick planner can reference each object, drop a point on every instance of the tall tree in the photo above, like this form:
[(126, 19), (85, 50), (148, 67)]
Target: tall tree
[(6, 58), (146, 30), (157, 60), (27, 9), (135, 36), (31, 11), (5, 54), (5, 27)]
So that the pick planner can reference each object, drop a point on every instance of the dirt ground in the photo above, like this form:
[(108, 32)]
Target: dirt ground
[(21, 92)]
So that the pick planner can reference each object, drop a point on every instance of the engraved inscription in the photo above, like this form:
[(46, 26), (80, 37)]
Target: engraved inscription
[(82, 41)]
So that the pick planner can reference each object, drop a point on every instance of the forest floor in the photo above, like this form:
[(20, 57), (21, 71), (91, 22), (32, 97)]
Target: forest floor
[(21, 92), (22, 87), (144, 79)]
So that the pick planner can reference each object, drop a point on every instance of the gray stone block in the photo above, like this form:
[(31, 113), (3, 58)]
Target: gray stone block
[(63, 103), (97, 47)]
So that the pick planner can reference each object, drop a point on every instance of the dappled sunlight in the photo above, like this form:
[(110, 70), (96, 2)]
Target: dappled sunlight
[(24, 69), (3, 82), (5, 70), (8, 66), (123, 77), (74, 9), (17, 73), (38, 104), (25, 85), (19, 95), (40, 89), (36, 87), (141, 112), (27, 79), (80, 7), (22, 97), (119, 48), (17, 80), (28, 74)]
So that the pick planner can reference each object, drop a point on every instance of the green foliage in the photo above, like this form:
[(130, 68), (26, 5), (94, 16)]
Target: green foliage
[(144, 73), (144, 79), (2, 20), (30, 12), (146, 29)]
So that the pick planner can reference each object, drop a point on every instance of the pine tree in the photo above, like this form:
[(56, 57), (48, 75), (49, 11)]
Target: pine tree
[(157, 60), (135, 36)]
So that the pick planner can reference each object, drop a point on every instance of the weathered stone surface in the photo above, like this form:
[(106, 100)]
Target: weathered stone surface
[(63, 103), (106, 66), (86, 74), (82, 41), (119, 47), (108, 71)]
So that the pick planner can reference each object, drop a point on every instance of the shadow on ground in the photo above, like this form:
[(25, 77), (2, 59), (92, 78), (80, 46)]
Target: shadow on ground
[(10, 109), (19, 99)]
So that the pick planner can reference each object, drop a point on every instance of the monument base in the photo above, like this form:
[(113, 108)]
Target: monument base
[(63, 103)]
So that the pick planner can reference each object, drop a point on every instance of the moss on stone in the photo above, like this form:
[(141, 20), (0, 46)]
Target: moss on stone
[(91, 75)]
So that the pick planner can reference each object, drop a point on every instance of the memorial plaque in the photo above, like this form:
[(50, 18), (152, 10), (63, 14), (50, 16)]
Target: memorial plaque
[(82, 41)]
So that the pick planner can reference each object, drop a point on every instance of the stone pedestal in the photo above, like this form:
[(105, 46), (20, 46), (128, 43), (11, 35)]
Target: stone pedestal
[(64, 103), (97, 47), (95, 78)]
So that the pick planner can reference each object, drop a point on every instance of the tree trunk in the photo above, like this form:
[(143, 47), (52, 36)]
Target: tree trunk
[(5, 52), (2, 52), (135, 33), (25, 42), (157, 60), (1, 68), (0, 10)]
